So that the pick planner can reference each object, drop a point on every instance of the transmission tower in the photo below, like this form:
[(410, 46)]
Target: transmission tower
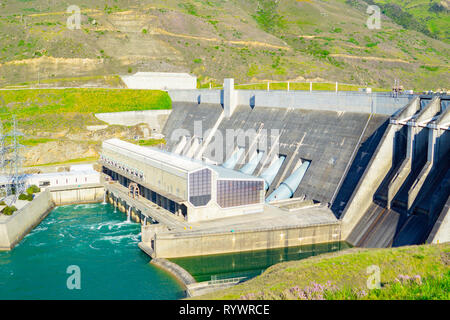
[(11, 164), (5, 149)]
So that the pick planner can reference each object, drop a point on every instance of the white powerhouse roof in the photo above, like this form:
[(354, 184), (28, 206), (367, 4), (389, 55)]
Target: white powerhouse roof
[(166, 159), (162, 158), (160, 81)]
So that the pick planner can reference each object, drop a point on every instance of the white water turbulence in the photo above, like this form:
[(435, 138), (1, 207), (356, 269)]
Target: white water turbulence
[(129, 215), (101, 243)]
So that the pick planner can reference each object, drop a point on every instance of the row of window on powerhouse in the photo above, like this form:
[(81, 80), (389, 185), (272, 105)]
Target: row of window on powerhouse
[(123, 167)]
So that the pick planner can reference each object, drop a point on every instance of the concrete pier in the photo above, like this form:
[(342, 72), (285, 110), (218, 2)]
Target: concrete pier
[(13, 228), (88, 193), (174, 245), (165, 235)]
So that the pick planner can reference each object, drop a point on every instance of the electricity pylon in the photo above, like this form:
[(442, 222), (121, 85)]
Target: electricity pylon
[(13, 183)]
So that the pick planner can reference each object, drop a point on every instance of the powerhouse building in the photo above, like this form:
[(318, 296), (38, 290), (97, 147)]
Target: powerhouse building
[(185, 187)]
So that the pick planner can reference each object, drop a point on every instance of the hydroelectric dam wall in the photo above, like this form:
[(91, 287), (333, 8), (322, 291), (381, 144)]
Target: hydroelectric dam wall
[(348, 138), (377, 103), (354, 145), (332, 130)]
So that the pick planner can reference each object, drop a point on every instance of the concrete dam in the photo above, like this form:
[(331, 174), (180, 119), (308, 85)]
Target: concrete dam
[(368, 169), (411, 191)]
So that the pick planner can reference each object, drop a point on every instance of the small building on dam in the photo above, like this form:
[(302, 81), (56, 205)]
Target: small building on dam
[(297, 168)]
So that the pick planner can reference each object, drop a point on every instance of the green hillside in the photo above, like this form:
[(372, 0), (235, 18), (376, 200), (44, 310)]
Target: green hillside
[(25, 103), (56, 123), (406, 273), (429, 17), (58, 109), (250, 40)]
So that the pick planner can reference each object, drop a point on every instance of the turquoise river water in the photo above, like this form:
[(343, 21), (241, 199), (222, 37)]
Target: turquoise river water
[(97, 240), (103, 245)]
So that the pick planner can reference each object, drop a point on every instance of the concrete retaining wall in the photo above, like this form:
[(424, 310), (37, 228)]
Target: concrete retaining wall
[(160, 80), (77, 195), (15, 227), (201, 288), (325, 100), (362, 198), (179, 245), (378, 103), (155, 119), (197, 96), (441, 230), (178, 272)]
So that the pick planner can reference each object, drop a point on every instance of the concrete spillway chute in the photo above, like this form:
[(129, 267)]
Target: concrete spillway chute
[(287, 188)]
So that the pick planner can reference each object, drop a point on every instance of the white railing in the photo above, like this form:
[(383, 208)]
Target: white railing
[(225, 281), (310, 84)]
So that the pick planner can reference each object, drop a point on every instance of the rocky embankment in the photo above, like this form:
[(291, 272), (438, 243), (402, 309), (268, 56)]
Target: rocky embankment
[(48, 148)]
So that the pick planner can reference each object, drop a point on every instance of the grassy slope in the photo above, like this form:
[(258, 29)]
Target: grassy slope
[(54, 121), (111, 81), (347, 272), (430, 17), (58, 109), (250, 40)]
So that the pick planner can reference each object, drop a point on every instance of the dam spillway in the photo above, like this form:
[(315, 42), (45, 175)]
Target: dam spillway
[(413, 183)]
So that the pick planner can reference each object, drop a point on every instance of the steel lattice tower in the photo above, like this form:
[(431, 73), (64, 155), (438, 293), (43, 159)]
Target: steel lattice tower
[(11, 164)]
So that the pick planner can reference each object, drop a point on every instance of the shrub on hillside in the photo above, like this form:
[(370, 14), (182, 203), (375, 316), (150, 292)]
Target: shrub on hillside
[(24, 196), (33, 189), (9, 210), (267, 16)]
